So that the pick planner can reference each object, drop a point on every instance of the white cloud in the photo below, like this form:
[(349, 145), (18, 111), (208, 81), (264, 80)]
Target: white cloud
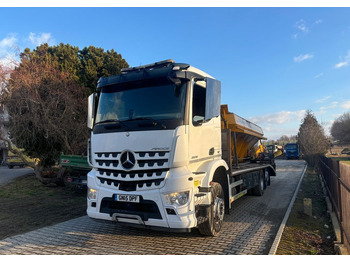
[(304, 28), (301, 58), (323, 99), (280, 117), (9, 51), (332, 105), (341, 64), (301, 25), (346, 105), (345, 62), (319, 75), (8, 42), (41, 38), (281, 123)]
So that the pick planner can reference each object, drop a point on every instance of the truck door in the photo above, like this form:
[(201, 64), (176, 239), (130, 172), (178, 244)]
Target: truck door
[(205, 130)]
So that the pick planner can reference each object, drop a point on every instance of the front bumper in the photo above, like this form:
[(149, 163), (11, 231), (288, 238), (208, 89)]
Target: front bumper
[(152, 210)]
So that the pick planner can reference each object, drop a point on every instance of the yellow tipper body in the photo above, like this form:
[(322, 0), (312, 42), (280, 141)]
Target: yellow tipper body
[(247, 133)]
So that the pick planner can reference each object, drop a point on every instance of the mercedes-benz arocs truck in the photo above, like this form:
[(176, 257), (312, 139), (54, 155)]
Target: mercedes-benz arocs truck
[(165, 154)]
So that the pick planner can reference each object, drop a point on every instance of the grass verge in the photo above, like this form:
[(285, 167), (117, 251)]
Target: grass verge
[(304, 234), (26, 204)]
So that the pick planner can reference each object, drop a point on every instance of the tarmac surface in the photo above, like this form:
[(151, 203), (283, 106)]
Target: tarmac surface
[(250, 229), (7, 174)]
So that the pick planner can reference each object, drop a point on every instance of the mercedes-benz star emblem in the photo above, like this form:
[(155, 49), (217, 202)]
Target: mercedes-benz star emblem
[(127, 159)]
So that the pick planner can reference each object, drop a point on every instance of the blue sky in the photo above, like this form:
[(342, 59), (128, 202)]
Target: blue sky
[(274, 63)]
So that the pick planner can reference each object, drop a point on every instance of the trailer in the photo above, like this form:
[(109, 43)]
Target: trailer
[(75, 169), (166, 155)]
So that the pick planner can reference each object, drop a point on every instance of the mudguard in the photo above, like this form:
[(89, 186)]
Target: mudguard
[(210, 167)]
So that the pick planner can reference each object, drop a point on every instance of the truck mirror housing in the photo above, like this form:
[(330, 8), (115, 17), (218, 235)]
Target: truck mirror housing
[(91, 109), (213, 99)]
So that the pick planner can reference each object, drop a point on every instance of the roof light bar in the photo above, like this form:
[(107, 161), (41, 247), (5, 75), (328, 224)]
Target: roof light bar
[(157, 64)]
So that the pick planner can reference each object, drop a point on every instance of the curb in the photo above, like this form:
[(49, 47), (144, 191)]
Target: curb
[(286, 216)]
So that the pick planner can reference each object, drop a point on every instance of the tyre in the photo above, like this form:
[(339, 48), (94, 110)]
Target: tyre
[(215, 218), (267, 178), (258, 190), (10, 167)]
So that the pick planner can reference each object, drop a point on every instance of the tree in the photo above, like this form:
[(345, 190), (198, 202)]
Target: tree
[(96, 63), (283, 140), (46, 98), (340, 129), (48, 111), (311, 138), (293, 139)]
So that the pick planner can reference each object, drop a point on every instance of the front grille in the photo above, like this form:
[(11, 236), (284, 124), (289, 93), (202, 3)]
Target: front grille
[(147, 172), (108, 163), (131, 181), (145, 209), (144, 160)]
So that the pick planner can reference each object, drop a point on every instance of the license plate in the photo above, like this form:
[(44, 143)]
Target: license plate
[(127, 198)]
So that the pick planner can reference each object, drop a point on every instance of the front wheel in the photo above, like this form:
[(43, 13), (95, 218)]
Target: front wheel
[(215, 217)]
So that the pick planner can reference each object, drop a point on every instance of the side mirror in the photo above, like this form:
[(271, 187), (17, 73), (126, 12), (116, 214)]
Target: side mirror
[(213, 98), (91, 110)]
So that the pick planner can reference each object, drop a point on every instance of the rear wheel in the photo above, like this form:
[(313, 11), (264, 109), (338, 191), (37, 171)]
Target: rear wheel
[(258, 190), (267, 178), (213, 224)]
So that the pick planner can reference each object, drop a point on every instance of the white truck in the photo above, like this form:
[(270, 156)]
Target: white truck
[(164, 153)]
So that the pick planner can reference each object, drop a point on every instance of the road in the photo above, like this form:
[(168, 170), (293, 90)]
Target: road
[(249, 229), (6, 174)]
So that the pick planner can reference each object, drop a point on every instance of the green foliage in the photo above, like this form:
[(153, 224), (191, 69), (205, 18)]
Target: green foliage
[(86, 65), (311, 138), (96, 63), (47, 95)]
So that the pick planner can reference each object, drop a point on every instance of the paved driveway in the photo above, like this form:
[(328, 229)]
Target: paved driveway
[(6, 174), (249, 229)]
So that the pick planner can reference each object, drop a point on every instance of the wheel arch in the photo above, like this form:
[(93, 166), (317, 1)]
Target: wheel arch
[(212, 168), (217, 172)]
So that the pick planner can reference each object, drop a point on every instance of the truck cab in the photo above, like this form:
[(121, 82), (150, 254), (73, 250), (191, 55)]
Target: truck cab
[(292, 151), (156, 149)]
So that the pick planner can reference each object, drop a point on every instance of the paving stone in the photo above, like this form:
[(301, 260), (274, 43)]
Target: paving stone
[(249, 229)]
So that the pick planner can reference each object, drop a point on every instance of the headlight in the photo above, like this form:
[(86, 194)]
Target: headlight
[(92, 194), (179, 198)]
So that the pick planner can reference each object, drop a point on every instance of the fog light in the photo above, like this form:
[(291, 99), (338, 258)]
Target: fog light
[(178, 198), (170, 211), (92, 194)]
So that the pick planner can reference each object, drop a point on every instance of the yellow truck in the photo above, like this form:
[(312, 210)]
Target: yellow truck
[(274, 150), (14, 160)]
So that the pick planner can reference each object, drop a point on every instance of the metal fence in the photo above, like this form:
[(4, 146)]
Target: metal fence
[(336, 176)]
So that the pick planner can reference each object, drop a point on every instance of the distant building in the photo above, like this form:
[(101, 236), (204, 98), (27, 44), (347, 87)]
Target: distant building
[(4, 121)]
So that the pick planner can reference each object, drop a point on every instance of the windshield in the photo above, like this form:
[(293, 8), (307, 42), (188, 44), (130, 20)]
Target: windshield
[(157, 99), (291, 146)]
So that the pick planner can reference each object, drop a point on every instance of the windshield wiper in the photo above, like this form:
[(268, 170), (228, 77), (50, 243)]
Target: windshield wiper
[(139, 118), (117, 123), (153, 123)]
